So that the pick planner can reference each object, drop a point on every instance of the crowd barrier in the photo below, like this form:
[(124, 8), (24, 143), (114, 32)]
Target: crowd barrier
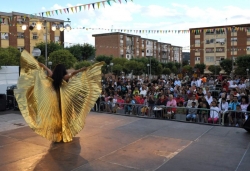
[(183, 114)]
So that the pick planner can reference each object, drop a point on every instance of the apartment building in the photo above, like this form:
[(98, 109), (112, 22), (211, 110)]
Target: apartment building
[(20, 31), (210, 45), (133, 46)]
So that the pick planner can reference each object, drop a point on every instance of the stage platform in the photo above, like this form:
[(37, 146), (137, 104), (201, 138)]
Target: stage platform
[(123, 143)]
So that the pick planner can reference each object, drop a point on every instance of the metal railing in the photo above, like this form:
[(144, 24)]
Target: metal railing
[(183, 114)]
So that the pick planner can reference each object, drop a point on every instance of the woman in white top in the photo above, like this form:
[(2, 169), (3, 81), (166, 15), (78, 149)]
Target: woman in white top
[(244, 105)]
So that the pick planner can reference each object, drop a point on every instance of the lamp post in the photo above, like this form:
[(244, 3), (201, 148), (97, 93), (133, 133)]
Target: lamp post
[(53, 28), (233, 29), (148, 68), (50, 64), (111, 65)]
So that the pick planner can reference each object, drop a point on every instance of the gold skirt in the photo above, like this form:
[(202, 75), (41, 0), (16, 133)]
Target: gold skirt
[(56, 116)]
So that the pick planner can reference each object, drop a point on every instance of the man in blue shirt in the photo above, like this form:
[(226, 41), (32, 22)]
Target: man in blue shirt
[(232, 106)]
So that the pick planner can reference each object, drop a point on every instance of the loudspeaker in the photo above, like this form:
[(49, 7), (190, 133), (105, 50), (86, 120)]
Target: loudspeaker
[(246, 125), (2, 102)]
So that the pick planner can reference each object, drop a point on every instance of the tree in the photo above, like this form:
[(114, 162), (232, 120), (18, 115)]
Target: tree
[(117, 69), (120, 61), (51, 47), (215, 69), (174, 70), (87, 50), (62, 57), (166, 71), (154, 64), (9, 56), (187, 69), (76, 50), (83, 64), (136, 66), (159, 69), (185, 62), (243, 63), (106, 59), (200, 67), (41, 59), (226, 65), (82, 52)]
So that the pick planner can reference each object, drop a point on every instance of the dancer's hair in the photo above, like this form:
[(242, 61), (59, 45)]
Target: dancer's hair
[(58, 74)]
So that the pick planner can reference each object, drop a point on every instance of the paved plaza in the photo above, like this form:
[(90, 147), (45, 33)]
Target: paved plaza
[(113, 142)]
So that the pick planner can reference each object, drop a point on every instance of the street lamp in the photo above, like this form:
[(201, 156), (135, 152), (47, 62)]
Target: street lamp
[(39, 27), (111, 65), (148, 68), (233, 29), (50, 64)]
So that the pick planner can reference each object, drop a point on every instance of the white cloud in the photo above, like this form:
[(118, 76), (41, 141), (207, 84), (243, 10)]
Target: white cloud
[(153, 17)]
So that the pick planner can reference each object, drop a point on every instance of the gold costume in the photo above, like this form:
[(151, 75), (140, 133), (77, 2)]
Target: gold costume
[(56, 116)]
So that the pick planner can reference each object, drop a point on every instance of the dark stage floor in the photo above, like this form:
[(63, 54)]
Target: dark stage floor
[(112, 142)]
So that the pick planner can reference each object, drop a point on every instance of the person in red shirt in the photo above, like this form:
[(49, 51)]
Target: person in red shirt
[(179, 99)]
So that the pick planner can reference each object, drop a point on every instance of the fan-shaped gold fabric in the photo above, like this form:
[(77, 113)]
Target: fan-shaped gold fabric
[(56, 116)]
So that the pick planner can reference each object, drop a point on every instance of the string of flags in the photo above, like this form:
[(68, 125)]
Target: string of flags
[(73, 9)]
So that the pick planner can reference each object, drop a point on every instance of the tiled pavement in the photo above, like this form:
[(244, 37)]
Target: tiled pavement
[(113, 142)]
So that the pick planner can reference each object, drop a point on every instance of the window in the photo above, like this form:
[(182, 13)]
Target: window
[(220, 58), (211, 40), (4, 36), (234, 39), (57, 38), (121, 37), (220, 49), (35, 36), (20, 48), (20, 35), (233, 30), (248, 29), (4, 21), (197, 58), (197, 41), (220, 40), (209, 59), (248, 48), (207, 41), (248, 39), (209, 50)]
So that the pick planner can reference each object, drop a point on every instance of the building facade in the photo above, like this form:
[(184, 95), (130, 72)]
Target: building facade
[(13, 33), (211, 45), (133, 46)]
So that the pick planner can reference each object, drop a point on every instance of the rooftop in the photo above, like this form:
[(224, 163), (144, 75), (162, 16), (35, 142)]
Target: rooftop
[(223, 26)]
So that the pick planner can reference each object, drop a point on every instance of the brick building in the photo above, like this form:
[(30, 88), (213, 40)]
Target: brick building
[(12, 33), (210, 45), (133, 46)]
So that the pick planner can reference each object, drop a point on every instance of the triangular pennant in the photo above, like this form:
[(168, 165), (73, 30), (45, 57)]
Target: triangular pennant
[(61, 11), (126, 1), (98, 5), (52, 12), (93, 5), (88, 6), (76, 8), (108, 1), (84, 7), (120, 1), (64, 10), (103, 3), (56, 12), (68, 10), (80, 8), (72, 9)]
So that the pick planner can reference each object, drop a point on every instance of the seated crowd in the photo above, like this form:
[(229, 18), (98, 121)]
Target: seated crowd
[(203, 99)]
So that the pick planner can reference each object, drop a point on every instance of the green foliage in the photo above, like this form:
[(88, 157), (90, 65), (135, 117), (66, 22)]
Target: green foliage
[(106, 59), (166, 71), (117, 69), (159, 69), (51, 47), (174, 70), (214, 69), (41, 59), (178, 65), (134, 65), (154, 64), (184, 63), (170, 65), (187, 69), (200, 67), (226, 65), (243, 63), (82, 52), (82, 64), (9, 56), (62, 57)]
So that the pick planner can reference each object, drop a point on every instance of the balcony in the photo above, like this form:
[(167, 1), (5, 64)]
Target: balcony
[(197, 62), (233, 43), (248, 42), (197, 53), (234, 53), (233, 34), (129, 43), (121, 41), (197, 36), (4, 28), (248, 33), (197, 45), (142, 54)]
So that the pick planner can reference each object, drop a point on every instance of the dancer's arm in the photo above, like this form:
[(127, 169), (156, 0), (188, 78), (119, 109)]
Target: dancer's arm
[(49, 72), (69, 75)]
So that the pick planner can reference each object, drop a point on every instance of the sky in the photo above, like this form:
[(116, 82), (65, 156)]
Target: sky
[(141, 15)]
